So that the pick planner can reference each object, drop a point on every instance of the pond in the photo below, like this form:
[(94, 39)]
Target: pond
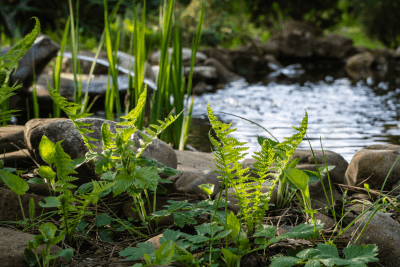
[(346, 117)]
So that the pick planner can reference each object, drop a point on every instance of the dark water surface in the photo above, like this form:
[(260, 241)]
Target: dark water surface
[(347, 117)]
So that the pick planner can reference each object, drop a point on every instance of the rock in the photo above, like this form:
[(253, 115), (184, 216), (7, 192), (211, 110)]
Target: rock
[(306, 161), (41, 52), (248, 65), (97, 86), (73, 144), (333, 46), (12, 246), (223, 56), (85, 61), (358, 66), (272, 63), (326, 220), (203, 73), (186, 56), (11, 134), (318, 197), (296, 40), (373, 163), (188, 182), (190, 161), (202, 88), (396, 188), (102, 63), (223, 74), (10, 209), (384, 232), (273, 46), (18, 159)]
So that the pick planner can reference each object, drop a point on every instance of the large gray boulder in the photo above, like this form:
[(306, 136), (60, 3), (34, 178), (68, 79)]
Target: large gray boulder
[(333, 46), (186, 56), (371, 165), (384, 232), (306, 162), (73, 144)]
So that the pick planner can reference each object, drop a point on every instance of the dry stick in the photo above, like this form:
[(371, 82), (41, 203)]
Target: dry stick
[(286, 211), (372, 191), (26, 153), (365, 180)]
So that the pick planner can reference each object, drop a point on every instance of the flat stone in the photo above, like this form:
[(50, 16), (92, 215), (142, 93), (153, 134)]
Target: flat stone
[(194, 161), (12, 246), (18, 159), (11, 134), (10, 209)]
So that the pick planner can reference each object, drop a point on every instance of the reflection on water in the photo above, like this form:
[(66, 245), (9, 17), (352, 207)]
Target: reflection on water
[(347, 117)]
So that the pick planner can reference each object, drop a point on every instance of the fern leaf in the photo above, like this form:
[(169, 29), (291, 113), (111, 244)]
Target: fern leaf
[(71, 109), (134, 114)]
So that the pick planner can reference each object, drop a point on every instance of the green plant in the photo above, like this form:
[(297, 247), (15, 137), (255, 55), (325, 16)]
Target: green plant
[(48, 239), (328, 255), (71, 214), (9, 62)]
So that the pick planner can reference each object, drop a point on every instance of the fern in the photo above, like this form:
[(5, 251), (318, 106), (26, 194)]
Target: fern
[(64, 166), (280, 154), (227, 157), (9, 62), (72, 109)]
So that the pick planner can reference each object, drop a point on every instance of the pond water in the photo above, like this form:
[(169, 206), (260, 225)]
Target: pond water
[(346, 117)]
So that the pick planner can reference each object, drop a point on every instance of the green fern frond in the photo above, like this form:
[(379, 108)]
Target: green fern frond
[(10, 59), (71, 109), (134, 114), (107, 137), (63, 163)]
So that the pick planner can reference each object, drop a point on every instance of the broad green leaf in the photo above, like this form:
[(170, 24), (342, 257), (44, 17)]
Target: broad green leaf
[(297, 177), (47, 149), (182, 218), (209, 228), (36, 180), (207, 188), (66, 253), (78, 162), (170, 235), (124, 181), (15, 183), (221, 234), (230, 258), (233, 223), (106, 235), (165, 253), (30, 257), (102, 220), (284, 262), (361, 254), (267, 231), (83, 189), (147, 178), (134, 253), (313, 263), (324, 169), (48, 230), (51, 202), (46, 172), (303, 231), (312, 176)]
